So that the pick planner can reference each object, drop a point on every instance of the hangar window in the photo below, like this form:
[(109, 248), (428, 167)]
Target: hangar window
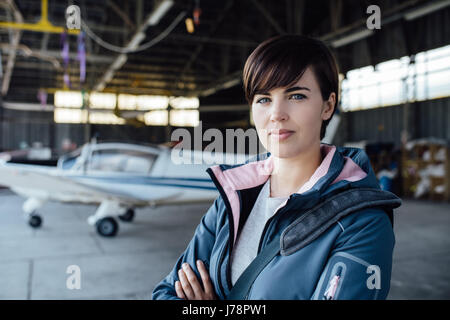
[(121, 161), (423, 76)]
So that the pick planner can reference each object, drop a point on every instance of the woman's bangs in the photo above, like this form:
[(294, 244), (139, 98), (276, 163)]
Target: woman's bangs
[(281, 73)]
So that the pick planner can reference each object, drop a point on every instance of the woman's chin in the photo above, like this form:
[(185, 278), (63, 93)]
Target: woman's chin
[(283, 154)]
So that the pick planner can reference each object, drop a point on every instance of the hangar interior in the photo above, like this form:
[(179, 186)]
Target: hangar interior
[(135, 71)]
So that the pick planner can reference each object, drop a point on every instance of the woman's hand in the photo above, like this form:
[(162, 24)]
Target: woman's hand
[(189, 288)]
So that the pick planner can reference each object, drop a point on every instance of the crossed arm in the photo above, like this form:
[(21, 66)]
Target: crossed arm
[(189, 287)]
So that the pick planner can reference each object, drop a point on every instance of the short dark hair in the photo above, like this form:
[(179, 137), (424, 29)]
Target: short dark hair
[(282, 60)]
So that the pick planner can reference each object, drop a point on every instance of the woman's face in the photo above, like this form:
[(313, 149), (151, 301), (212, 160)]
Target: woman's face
[(288, 120)]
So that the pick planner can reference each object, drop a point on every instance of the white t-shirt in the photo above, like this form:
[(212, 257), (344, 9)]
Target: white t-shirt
[(246, 246)]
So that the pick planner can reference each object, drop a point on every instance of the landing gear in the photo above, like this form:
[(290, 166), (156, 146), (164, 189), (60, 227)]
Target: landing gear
[(30, 207), (105, 218), (34, 220), (107, 227), (128, 216)]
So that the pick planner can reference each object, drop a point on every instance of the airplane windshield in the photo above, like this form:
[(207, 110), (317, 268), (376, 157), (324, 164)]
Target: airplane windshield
[(69, 160), (128, 161)]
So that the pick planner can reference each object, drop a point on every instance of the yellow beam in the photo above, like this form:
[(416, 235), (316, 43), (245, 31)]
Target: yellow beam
[(42, 26), (44, 11), (53, 90)]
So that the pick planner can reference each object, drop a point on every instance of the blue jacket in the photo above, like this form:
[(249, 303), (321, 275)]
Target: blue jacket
[(351, 259)]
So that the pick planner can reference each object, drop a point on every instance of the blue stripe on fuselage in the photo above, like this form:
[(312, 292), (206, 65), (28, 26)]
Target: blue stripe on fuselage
[(159, 181)]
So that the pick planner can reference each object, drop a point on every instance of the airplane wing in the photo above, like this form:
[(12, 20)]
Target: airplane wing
[(47, 181)]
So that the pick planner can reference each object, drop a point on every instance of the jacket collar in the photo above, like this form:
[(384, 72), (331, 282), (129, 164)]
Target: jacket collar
[(336, 166)]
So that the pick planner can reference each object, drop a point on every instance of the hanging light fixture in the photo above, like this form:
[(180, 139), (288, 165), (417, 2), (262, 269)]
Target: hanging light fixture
[(189, 25)]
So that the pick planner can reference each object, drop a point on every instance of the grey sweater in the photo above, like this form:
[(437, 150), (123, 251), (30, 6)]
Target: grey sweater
[(246, 247)]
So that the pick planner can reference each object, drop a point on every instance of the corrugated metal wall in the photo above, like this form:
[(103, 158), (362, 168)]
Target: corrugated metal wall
[(25, 126), (426, 119), (432, 118)]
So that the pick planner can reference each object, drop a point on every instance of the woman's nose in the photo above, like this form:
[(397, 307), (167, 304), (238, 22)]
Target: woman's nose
[(278, 111)]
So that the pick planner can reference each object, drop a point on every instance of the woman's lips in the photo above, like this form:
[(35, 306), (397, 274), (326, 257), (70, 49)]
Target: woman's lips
[(281, 135)]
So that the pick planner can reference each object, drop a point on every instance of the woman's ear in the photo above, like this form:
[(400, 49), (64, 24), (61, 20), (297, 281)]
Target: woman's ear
[(328, 106)]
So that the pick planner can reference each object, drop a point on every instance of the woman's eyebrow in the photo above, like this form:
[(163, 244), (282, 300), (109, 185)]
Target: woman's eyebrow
[(286, 91), (295, 89)]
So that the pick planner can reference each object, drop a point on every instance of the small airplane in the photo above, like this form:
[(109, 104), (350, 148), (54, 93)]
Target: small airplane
[(119, 177)]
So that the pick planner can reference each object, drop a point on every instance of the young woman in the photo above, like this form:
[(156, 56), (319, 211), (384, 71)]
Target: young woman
[(291, 83)]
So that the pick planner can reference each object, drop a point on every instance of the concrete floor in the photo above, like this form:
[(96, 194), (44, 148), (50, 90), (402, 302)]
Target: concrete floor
[(33, 263)]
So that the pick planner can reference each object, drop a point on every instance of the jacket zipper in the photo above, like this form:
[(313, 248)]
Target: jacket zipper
[(231, 232), (228, 271), (228, 247), (218, 276), (266, 227)]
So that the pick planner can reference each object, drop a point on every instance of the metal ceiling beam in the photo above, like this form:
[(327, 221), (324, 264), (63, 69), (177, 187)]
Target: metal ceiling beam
[(31, 90), (200, 46), (299, 15), (147, 71), (335, 8), (44, 41), (25, 51), (22, 70), (268, 17), (144, 82), (218, 108), (426, 9), (203, 39), (57, 54), (152, 19), (139, 10), (121, 14), (35, 44), (226, 82), (295, 11), (193, 39), (14, 41), (390, 15)]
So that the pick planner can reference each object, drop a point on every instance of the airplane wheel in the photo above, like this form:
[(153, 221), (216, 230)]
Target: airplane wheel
[(35, 221), (107, 227), (127, 216)]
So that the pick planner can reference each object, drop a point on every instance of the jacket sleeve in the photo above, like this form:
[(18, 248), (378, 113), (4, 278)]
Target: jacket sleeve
[(360, 264), (199, 248)]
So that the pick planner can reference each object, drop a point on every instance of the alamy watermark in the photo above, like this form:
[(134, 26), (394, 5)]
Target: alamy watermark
[(374, 280), (73, 17), (220, 149), (74, 280), (374, 20), (235, 146)]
